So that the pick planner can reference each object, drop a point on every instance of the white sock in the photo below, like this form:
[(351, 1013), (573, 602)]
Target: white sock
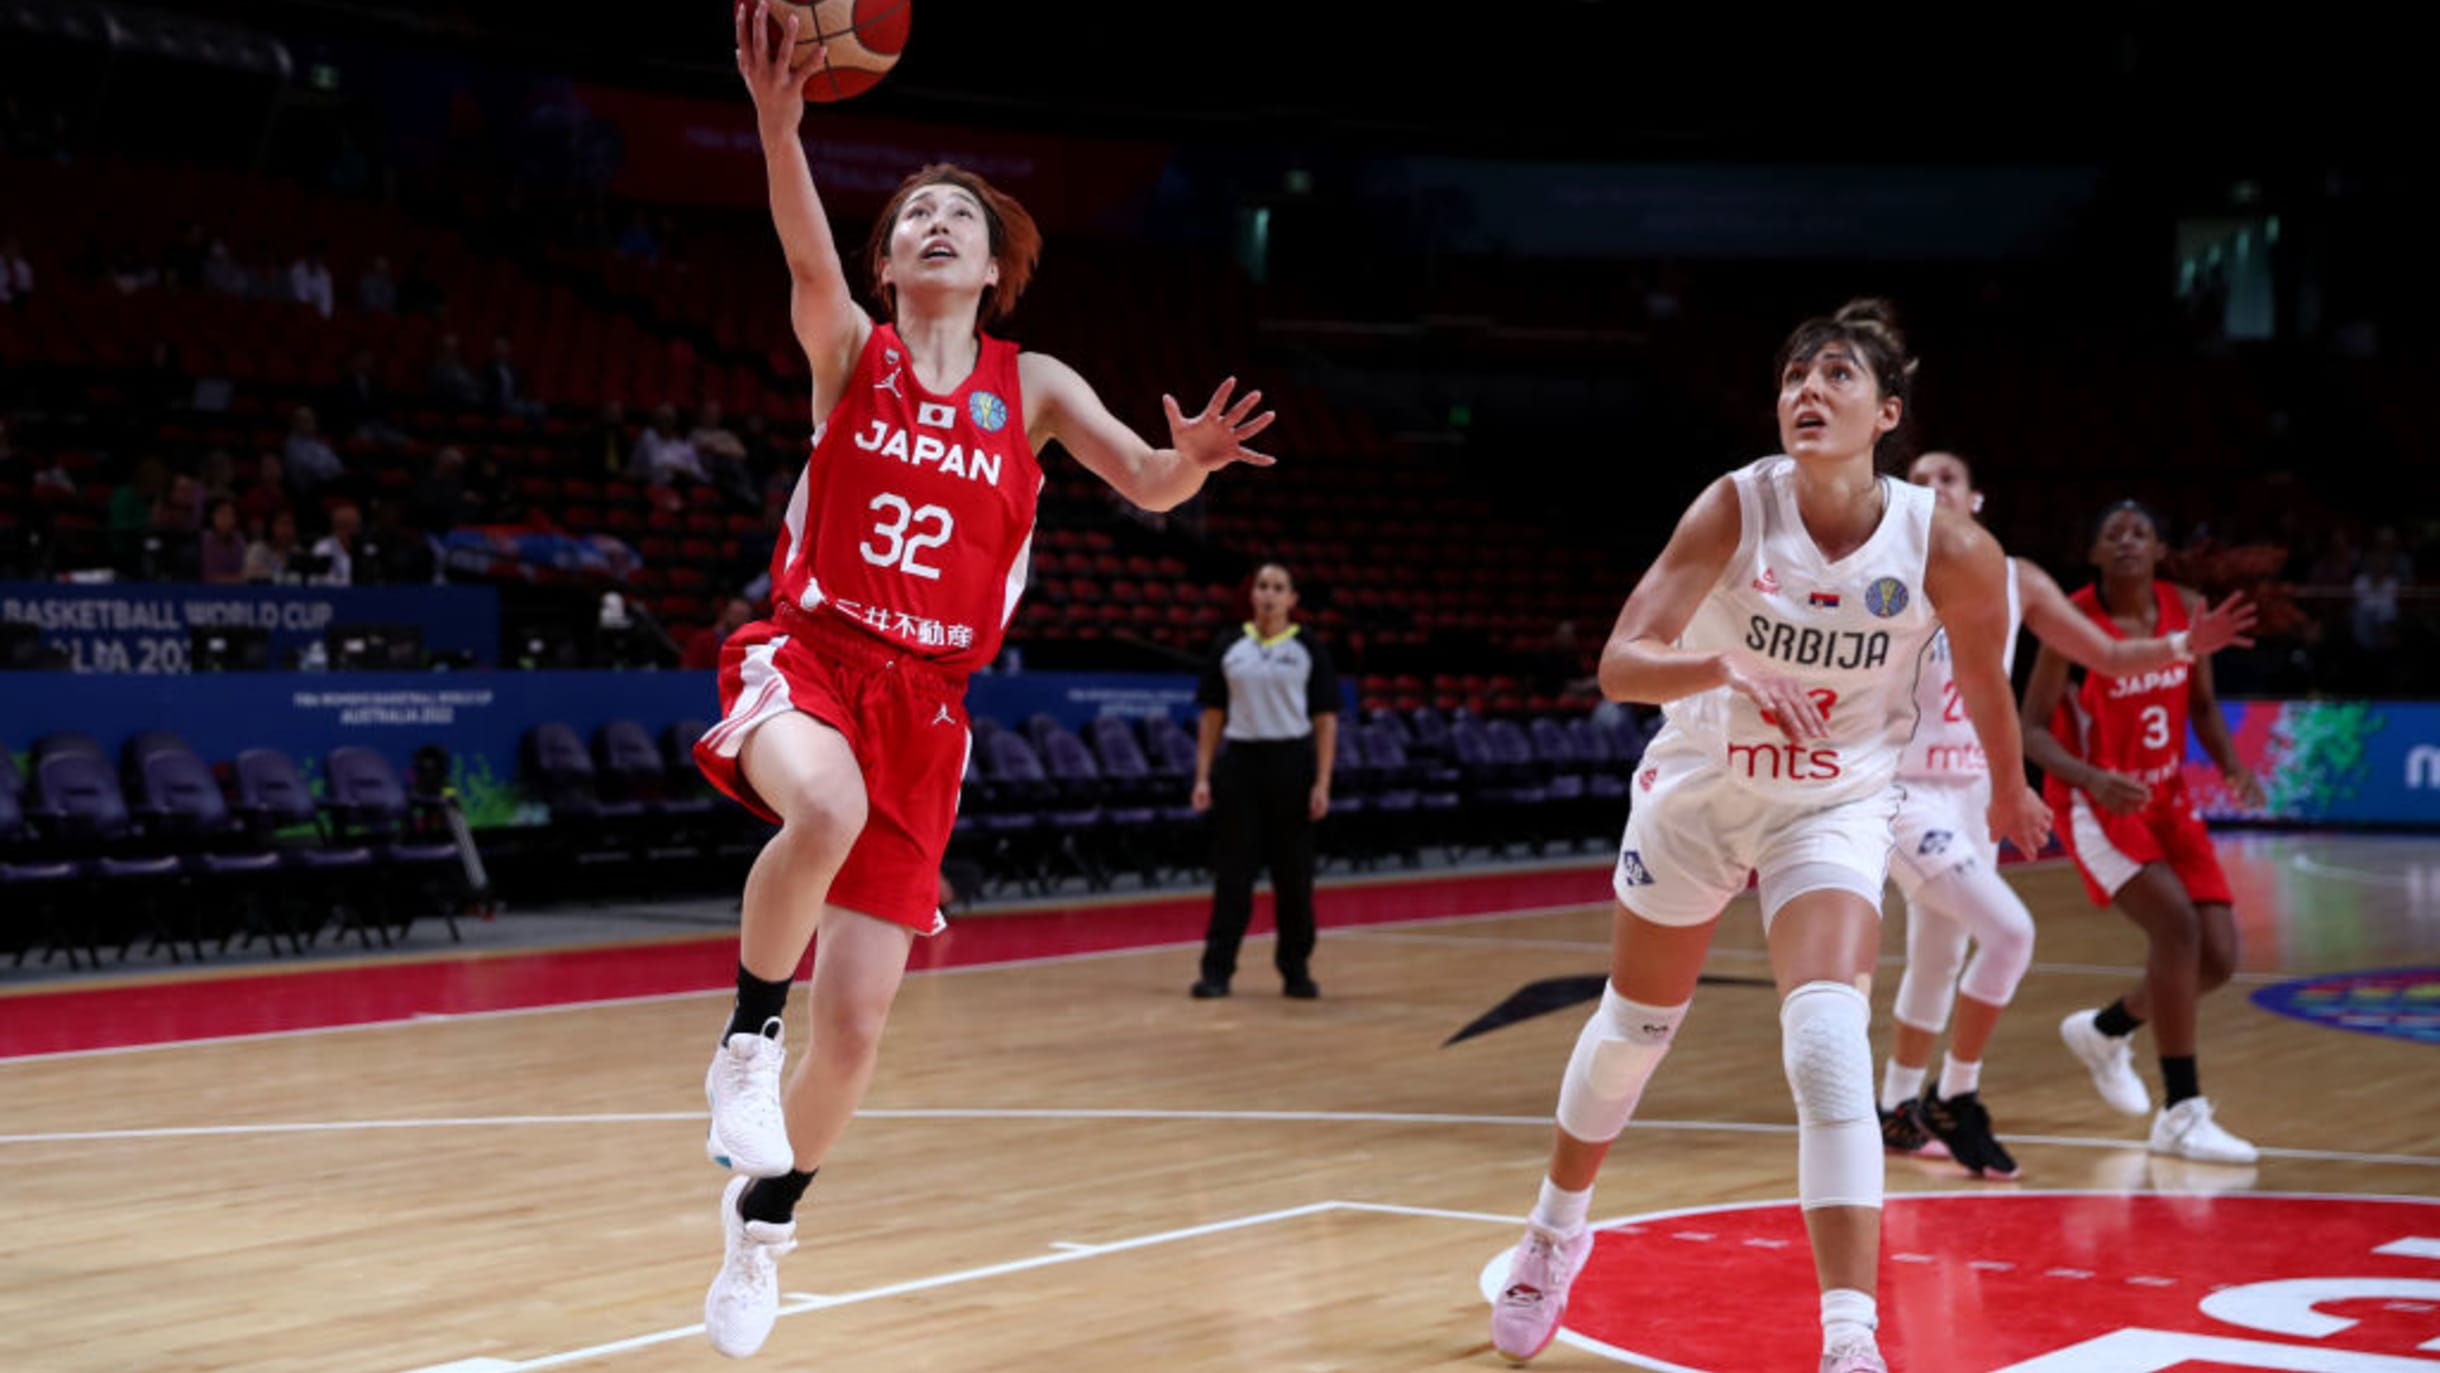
[(1561, 1212), (1956, 1078), (1899, 1085), (1847, 1316)]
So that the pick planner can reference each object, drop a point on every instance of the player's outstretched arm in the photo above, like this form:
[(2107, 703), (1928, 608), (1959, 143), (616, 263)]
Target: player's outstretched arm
[(2203, 708), (2056, 621), (1966, 577), (1061, 405), (830, 327)]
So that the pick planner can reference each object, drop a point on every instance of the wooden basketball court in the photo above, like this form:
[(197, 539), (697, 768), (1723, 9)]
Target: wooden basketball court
[(1068, 1164)]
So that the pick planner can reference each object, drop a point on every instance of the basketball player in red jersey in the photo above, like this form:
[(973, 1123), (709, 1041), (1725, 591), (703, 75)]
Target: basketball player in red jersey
[(1950, 875), (2114, 759), (903, 556)]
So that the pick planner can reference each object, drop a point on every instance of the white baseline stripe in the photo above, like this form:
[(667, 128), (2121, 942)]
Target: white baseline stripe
[(1106, 1114), (1046, 960)]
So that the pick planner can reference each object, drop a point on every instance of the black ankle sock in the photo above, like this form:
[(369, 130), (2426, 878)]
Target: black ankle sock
[(757, 1002), (2179, 1079), (774, 1199), (2114, 1020)]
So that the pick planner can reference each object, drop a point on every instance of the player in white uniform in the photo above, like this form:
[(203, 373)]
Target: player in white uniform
[(1947, 866), (1781, 629)]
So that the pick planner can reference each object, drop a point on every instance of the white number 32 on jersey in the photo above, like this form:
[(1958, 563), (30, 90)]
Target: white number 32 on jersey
[(902, 549)]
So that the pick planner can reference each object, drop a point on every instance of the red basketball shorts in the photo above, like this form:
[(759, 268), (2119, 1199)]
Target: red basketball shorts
[(904, 719), (2110, 849)]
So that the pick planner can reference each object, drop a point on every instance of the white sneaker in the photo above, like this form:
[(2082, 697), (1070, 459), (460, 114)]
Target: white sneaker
[(742, 1306), (749, 1132), (2188, 1131), (2111, 1062), (1855, 1356)]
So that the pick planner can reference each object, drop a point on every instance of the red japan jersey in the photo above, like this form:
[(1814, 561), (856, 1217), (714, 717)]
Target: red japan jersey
[(914, 518), (2133, 725)]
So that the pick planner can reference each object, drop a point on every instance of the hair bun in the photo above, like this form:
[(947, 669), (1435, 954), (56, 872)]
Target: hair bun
[(1869, 310)]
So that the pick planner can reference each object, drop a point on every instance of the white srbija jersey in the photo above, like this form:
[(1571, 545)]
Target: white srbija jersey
[(1852, 631), (1945, 747)]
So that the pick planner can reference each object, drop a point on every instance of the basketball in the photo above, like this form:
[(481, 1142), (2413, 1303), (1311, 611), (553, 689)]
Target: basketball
[(866, 38)]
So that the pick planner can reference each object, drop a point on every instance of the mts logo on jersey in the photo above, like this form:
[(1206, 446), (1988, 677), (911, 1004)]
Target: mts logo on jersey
[(1844, 649), (1992, 1282), (2159, 679), (1789, 763), (952, 459)]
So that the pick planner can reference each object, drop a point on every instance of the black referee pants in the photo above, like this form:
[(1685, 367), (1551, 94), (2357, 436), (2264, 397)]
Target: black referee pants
[(1261, 794)]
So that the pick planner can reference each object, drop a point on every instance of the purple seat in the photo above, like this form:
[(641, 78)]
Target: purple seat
[(632, 769), (178, 795), (562, 773), (365, 797), (272, 795)]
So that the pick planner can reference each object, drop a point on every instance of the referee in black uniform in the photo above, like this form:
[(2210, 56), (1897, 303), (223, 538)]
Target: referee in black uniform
[(1271, 690)]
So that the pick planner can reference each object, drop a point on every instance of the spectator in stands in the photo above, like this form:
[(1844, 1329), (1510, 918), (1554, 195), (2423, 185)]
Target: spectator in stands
[(452, 383), (132, 505), (311, 463), (335, 552), (362, 406), (662, 454), (221, 272), (309, 280), (377, 290), (269, 493), (503, 384), (724, 457), (1271, 691), (703, 649), (269, 558), (181, 509), (218, 477), (605, 451), (2376, 584), (394, 554), (439, 500), (16, 274), (222, 550)]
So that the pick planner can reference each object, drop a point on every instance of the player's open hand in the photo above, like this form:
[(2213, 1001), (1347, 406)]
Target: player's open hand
[(1216, 437), (1784, 701), (2249, 790), (2216, 627), (2118, 793), (764, 53), (2019, 816)]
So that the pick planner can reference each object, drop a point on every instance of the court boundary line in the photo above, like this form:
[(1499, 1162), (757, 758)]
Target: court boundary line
[(1146, 1115), (1063, 1252), (1382, 934), (644, 998)]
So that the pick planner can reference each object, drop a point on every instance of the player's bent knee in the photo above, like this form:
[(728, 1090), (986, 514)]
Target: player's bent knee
[(849, 1031), (1826, 1048), (1621, 1046)]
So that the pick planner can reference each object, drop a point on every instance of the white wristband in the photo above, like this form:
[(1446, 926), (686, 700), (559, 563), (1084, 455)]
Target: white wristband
[(2181, 644)]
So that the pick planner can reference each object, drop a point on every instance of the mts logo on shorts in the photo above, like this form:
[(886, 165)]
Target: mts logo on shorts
[(1994, 1282)]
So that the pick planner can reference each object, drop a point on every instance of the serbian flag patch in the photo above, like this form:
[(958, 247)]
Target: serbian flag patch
[(1828, 600)]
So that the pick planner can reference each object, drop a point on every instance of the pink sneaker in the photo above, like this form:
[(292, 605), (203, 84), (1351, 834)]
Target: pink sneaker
[(1861, 1356), (1525, 1319)]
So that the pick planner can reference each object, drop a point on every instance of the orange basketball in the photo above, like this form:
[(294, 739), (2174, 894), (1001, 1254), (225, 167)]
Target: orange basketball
[(865, 39)]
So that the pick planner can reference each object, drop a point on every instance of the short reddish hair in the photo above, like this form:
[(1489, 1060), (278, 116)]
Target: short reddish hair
[(1016, 244)]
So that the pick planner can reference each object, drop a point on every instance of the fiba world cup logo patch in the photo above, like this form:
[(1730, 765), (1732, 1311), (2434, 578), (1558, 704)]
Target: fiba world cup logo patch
[(988, 411), (1885, 597)]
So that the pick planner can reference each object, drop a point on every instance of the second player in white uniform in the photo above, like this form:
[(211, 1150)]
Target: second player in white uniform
[(1947, 865), (1781, 629)]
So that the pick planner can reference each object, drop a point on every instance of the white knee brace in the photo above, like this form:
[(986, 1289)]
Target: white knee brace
[(1622, 1044), (1935, 952), (1826, 1046)]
